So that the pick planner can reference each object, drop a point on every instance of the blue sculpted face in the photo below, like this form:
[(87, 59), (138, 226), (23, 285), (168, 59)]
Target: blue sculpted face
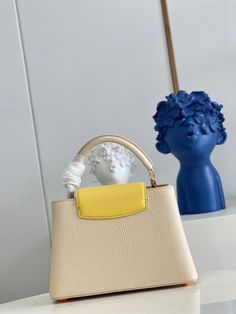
[(183, 143), (189, 125)]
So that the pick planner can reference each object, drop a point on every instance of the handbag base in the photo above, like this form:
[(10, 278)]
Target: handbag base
[(68, 298)]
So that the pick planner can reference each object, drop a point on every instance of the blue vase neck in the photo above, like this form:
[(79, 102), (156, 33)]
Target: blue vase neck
[(189, 163)]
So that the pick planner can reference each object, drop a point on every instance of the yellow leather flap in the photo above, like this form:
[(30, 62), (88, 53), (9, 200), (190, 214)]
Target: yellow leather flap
[(111, 201)]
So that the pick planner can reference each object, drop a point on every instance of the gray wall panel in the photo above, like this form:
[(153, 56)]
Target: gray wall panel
[(24, 236)]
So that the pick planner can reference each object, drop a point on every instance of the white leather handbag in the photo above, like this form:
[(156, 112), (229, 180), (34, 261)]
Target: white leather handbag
[(118, 237)]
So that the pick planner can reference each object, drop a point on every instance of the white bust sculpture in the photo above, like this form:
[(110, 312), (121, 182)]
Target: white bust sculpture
[(110, 163)]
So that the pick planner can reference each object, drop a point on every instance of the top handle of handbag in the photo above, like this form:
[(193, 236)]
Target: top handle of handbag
[(80, 156)]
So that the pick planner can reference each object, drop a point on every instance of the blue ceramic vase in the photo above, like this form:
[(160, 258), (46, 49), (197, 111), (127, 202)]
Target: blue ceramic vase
[(189, 126)]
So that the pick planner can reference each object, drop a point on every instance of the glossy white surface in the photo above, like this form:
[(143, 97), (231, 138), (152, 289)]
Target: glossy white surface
[(211, 238), (215, 291)]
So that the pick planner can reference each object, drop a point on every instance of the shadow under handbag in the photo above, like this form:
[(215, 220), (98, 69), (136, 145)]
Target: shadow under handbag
[(118, 237)]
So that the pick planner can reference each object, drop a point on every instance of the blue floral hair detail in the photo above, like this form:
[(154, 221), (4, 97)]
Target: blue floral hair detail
[(190, 110)]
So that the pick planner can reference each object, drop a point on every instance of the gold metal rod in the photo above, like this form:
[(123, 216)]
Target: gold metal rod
[(170, 47)]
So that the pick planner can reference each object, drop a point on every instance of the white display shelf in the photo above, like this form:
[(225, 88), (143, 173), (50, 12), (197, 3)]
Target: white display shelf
[(212, 237), (215, 290)]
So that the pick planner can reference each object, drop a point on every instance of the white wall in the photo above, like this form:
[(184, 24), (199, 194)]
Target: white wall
[(77, 69)]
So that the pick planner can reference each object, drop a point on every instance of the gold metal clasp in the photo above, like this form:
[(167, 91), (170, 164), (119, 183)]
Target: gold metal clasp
[(152, 177)]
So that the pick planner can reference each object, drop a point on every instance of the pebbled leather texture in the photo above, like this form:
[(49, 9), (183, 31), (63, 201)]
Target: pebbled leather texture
[(139, 251), (111, 201)]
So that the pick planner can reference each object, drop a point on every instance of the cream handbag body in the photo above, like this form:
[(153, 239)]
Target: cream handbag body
[(118, 237)]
